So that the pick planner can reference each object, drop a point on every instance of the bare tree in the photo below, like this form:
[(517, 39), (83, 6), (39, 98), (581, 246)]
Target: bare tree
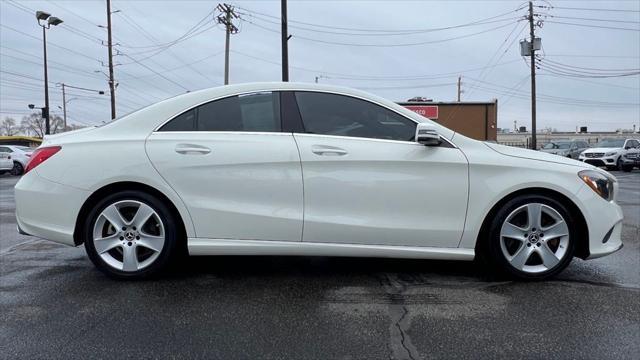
[(8, 127), (34, 125)]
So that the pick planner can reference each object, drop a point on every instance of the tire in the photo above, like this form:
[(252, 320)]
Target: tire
[(619, 165), (130, 251), (627, 168), (18, 169), (552, 253)]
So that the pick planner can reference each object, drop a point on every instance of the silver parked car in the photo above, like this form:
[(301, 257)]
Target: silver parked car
[(566, 148)]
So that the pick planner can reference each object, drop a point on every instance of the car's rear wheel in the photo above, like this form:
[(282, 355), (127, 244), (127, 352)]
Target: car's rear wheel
[(18, 169), (130, 234), (531, 237)]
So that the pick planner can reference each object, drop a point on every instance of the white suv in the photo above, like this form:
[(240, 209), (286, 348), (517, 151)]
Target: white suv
[(608, 152)]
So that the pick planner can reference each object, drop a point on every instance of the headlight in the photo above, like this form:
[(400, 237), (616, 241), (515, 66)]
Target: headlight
[(598, 182), (611, 153)]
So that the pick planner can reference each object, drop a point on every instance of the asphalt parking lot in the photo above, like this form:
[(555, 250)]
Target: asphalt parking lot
[(56, 305)]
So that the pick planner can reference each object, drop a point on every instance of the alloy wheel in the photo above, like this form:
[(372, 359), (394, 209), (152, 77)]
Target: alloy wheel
[(534, 238), (128, 235)]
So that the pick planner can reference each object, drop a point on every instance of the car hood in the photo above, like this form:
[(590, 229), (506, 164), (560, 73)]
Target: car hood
[(535, 155), (554, 151), (600, 150)]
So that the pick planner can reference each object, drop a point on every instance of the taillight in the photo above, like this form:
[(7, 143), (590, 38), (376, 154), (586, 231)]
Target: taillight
[(40, 155)]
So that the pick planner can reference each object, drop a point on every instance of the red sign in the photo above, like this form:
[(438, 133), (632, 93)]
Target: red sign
[(428, 111)]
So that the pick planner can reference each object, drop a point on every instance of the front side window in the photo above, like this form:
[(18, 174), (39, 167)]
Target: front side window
[(331, 114), (250, 112), (5, 149)]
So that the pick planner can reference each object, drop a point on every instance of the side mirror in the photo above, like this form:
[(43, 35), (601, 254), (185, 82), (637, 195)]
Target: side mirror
[(427, 135)]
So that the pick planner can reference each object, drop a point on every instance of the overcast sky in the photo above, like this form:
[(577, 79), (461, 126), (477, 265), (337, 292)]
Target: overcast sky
[(396, 49)]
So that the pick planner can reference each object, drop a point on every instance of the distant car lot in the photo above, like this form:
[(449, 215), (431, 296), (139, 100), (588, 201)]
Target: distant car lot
[(56, 305)]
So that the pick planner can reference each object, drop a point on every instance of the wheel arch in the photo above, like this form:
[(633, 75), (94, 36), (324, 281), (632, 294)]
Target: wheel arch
[(582, 246), (100, 193)]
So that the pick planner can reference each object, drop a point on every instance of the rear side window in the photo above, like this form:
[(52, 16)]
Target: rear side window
[(250, 112), (183, 122), (331, 114)]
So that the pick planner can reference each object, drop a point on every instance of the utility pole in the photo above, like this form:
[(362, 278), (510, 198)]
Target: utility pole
[(64, 98), (459, 87), (64, 108), (45, 113), (112, 85), (285, 39), (226, 18), (533, 76)]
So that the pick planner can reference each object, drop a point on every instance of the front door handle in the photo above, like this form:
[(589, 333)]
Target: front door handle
[(324, 150), (192, 149)]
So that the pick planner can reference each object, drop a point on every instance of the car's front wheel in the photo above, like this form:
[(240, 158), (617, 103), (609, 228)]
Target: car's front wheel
[(130, 234), (531, 237)]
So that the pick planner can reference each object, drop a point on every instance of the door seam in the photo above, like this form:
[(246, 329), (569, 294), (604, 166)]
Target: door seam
[(303, 193)]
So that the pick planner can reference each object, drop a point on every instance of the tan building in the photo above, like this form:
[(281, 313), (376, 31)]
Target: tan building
[(477, 120)]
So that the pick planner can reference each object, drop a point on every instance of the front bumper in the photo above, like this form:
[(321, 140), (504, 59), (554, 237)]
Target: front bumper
[(604, 222), (601, 161), (47, 209), (630, 162)]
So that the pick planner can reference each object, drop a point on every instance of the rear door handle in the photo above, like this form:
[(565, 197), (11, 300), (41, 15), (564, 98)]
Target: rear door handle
[(192, 149), (325, 150)]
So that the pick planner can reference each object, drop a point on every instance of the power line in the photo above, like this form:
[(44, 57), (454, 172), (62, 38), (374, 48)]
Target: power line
[(382, 32), (595, 19), (587, 9), (49, 43), (590, 69), (345, 76), (378, 30), (383, 45), (592, 26), (591, 82), (408, 87), (155, 72)]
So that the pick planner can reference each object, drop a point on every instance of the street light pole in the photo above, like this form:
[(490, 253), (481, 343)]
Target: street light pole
[(64, 108), (45, 20), (45, 114)]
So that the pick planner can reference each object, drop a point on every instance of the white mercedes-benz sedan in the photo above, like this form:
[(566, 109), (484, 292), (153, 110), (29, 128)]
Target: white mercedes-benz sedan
[(311, 170)]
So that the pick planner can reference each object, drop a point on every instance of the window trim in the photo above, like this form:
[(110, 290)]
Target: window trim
[(157, 128), (284, 130), (450, 144)]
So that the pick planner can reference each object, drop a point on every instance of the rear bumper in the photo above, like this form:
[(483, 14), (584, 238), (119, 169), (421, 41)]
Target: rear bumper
[(47, 209)]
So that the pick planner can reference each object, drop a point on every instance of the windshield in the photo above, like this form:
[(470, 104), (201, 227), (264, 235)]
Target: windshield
[(610, 143), (557, 145)]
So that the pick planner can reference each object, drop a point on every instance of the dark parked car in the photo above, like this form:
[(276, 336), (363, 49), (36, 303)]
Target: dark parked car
[(566, 148)]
